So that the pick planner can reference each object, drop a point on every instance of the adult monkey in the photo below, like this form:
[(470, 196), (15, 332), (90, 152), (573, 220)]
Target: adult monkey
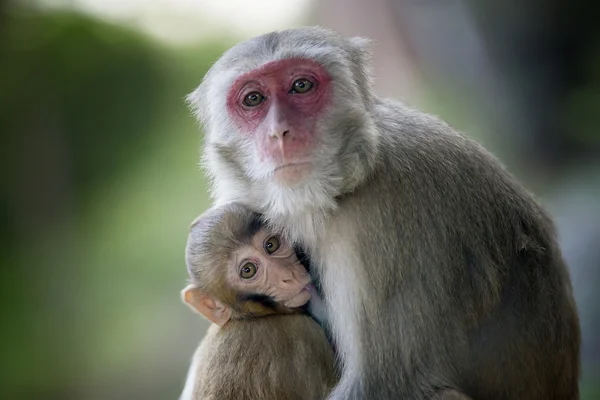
[(438, 269)]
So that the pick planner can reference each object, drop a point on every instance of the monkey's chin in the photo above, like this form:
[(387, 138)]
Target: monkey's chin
[(292, 174)]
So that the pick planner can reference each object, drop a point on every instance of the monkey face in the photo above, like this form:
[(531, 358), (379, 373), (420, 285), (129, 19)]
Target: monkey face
[(278, 106), (288, 121), (242, 270), (268, 266)]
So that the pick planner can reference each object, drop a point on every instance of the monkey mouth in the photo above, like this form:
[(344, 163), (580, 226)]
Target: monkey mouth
[(310, 288), (301, 298), (291, 174), (290, 165)]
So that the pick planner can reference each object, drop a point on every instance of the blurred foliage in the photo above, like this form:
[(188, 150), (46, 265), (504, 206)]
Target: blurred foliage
[(100, 182)]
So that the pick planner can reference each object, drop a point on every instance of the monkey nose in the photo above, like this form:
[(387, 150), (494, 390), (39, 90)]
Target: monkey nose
[(288, 277), (280, 134)]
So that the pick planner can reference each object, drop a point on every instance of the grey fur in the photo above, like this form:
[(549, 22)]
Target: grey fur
[(438, 269)]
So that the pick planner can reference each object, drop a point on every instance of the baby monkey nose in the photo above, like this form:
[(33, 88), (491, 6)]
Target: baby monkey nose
[(289, 276)]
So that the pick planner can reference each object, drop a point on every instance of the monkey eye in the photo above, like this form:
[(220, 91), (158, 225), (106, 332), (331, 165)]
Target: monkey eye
[(248, 271), (272, 244), (253, 99), (301, 86)]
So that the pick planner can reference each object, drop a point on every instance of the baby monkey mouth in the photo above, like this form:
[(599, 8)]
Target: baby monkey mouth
[(302, 297), (311, 289)]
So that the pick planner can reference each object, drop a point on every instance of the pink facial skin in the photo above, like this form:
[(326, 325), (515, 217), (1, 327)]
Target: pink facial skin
[(283, 124)]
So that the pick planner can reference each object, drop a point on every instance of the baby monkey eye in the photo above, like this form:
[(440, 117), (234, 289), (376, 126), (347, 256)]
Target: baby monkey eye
[(253, 99), (272, 244), (248, 271), (301, 86)]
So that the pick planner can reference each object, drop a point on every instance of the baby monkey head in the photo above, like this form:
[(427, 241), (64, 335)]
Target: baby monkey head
[(240, 269)]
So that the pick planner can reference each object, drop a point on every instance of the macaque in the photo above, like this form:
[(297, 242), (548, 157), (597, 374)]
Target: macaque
[(437, 268), (249, 283)]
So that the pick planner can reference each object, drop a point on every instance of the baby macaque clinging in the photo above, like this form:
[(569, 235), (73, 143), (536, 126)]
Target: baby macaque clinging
[(438, 269), (249, 282)]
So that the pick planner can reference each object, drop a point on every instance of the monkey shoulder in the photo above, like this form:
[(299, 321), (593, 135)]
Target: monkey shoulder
[(422, 158), (410, 139), (441, 191)]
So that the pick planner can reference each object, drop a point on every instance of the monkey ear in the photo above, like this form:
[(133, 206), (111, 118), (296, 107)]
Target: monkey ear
[(361, 43), (196, 104), (362, 52), (209, 307)]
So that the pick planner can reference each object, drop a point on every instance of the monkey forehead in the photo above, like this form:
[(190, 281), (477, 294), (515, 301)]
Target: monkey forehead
[(312, 43)]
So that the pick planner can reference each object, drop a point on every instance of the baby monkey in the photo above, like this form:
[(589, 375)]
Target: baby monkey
[(250, 283)]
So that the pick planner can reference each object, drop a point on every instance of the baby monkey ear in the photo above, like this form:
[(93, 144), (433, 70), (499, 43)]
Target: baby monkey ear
[(209, 307)]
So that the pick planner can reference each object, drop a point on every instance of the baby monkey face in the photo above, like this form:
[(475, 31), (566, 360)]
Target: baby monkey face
[(268, 265)]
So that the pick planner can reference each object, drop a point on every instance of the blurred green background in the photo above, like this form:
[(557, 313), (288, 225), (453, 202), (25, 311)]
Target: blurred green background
[(101, 179)]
